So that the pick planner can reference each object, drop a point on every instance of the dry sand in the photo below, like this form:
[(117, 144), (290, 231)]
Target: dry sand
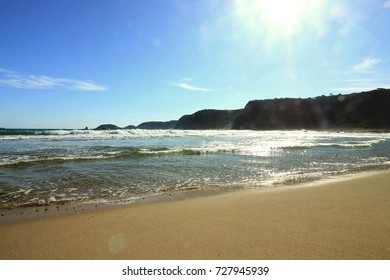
[(344, 219)]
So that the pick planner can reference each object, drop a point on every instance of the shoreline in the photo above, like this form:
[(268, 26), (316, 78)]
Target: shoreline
[(346, 217), (31, 213)]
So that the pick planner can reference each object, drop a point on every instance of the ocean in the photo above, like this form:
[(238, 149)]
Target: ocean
[(59, 167)]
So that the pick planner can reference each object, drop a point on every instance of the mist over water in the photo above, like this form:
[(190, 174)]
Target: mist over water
[(41, 167)]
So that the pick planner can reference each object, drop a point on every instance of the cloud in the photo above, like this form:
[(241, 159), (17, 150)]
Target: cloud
[(357, 84), (352, 88), (16, 80), (366, 64), (183, 83), (193, 88), (361, 77), (386, 5)]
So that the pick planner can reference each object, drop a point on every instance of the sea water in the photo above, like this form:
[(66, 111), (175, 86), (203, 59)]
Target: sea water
[(45, 167)]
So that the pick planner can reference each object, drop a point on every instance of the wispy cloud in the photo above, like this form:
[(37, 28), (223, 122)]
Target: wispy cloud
[(357, 84), (387, 5), (193, 88), (366, 64), (17, 80), (351, 89), (361, 77), (183, 83)]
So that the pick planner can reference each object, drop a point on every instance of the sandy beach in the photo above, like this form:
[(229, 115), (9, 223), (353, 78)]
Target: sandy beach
[(347, 218)]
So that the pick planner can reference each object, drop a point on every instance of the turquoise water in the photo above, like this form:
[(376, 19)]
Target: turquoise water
[(44, 167)]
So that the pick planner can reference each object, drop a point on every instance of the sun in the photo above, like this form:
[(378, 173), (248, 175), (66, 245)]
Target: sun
[(281, 14), (284, 12)]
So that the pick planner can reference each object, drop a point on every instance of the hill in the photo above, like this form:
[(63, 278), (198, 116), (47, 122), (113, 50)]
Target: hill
[(353, 111), (157, 125), (365, 110), (208, 119)]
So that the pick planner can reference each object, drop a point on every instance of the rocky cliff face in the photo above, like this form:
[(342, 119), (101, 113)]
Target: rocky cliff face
[(208, 119), (357, 110)]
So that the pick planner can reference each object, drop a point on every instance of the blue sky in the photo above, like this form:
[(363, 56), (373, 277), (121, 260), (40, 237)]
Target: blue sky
[(71, 63)]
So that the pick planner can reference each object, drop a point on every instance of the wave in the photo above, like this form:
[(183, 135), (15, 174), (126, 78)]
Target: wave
[(24, 132), (100, 154), (68, 145), (70, 153), (299, 138), (341, 145), (9, 134)]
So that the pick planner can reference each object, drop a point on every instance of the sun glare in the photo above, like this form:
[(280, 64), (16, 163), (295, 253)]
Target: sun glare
[(282, 14), (285, 12)]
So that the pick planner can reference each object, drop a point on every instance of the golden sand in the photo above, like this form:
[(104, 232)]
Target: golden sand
[(344, 219)]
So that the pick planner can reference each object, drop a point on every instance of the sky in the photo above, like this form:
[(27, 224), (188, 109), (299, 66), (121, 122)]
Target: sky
[(72, 64)]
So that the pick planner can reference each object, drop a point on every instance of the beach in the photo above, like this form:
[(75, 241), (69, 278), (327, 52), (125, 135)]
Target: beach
[(344, 218)]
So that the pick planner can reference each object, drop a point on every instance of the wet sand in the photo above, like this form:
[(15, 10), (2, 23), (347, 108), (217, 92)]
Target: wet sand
[(347, 218)]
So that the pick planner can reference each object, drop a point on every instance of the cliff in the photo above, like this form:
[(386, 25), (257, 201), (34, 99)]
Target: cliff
[(357, 110), (208, 119)]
